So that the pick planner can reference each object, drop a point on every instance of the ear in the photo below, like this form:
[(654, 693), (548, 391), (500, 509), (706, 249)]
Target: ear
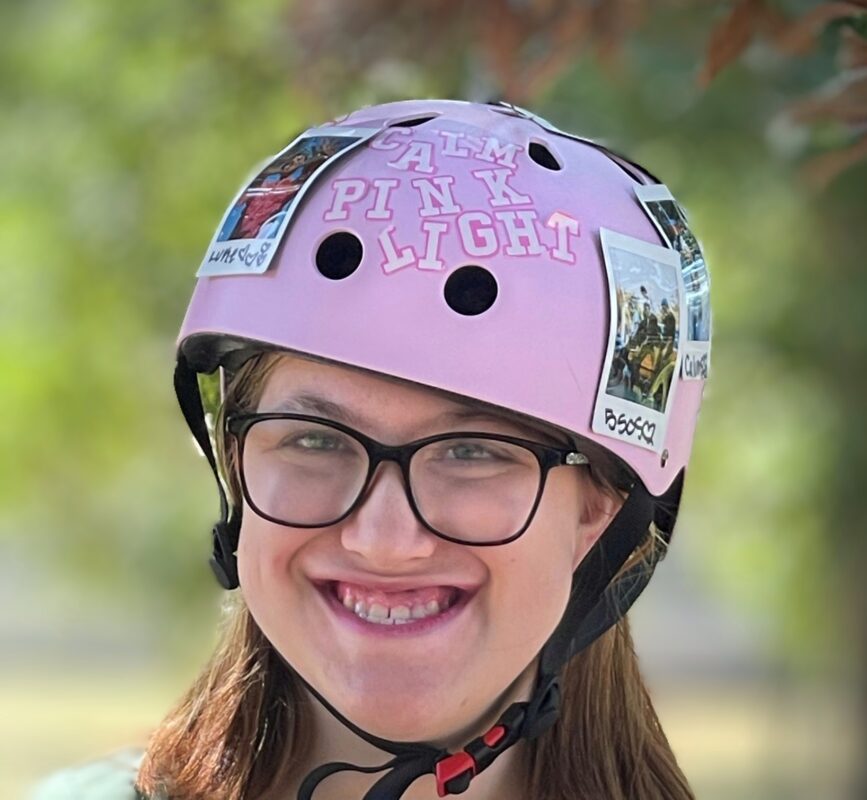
[(600, 507)]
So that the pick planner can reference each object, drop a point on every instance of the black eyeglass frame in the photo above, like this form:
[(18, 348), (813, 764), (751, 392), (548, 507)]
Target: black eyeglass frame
[(547, 456)]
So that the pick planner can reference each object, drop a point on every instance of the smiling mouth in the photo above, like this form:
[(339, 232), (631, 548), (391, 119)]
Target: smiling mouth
[(395, 608)]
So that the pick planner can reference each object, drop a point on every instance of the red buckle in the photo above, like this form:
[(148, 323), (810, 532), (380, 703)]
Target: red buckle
[(494, 735), (452, 767)]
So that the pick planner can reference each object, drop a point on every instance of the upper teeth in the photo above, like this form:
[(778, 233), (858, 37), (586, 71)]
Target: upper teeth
[(397, 615)]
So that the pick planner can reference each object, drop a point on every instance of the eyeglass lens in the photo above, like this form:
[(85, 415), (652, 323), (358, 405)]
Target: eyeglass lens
[(471, 489)]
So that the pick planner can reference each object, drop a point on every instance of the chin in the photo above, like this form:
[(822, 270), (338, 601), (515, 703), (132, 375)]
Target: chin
[(404, 718)]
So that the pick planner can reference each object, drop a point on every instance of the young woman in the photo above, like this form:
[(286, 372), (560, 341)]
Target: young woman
[(439, 496)]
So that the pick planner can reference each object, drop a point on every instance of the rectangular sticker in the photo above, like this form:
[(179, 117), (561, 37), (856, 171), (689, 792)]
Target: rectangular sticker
[(254, 224), (645, 340), (670, 220)]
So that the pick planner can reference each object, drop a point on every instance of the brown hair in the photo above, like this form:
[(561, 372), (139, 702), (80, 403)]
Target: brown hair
[(240, 728)]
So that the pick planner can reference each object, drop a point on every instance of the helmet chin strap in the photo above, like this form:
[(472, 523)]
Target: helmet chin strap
[(596, 602), (453, 771), (594, 606)]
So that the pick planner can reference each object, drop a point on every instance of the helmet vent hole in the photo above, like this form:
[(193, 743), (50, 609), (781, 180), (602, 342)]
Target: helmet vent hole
[(470, 290), (411, 123), (339, 255), (543, 156)]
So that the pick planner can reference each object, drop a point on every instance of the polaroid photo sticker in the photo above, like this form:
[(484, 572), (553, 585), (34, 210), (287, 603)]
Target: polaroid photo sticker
[(253, 226), (668, 217), (645, 338)]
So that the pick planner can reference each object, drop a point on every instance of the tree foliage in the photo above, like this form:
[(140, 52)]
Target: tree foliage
[(128, 127)]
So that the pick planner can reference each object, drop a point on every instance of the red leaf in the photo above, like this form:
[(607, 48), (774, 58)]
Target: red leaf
[(731, 37)]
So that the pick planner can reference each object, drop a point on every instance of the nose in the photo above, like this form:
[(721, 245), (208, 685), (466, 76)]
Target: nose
[(383, 529)]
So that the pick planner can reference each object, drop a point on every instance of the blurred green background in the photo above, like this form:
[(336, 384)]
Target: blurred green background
[(125, 130)]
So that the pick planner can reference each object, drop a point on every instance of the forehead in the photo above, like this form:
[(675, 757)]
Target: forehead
[(381, 405)]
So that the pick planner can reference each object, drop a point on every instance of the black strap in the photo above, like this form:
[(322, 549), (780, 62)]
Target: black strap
[(589, 612), (403, 771), (395, 748), (411, 761), (595, 604), (414, 759), (619, 595), (225, 532), (417, 759), (611, 607), (190, 401)]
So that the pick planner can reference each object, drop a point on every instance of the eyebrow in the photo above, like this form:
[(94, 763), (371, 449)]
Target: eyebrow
[(314, 404), (308, 402), (459, 415)]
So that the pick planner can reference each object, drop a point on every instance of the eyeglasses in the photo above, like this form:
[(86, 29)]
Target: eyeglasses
[(471, 488)]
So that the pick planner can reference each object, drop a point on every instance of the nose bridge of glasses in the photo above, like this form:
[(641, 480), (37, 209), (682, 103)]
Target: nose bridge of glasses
[(380, 456), (394, 497), (401, 454)]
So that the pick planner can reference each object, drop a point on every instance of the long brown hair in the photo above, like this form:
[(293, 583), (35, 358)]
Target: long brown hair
[(240, 728)]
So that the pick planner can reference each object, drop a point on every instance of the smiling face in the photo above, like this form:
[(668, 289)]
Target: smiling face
[(473, 618)]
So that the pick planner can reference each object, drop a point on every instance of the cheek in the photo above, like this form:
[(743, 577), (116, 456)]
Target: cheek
[(536, 570), (565, 505), (251, 554), (531, 589), (265, 552)]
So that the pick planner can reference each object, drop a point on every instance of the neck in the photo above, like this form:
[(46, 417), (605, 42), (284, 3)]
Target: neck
[(333, 741)]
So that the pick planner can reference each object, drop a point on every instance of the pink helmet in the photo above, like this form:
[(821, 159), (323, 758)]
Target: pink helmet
[(473, 201), (476, 249)]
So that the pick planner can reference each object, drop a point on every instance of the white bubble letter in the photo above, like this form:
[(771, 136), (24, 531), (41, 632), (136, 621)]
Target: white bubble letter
[(381, 209), (418, 157), (477, 233), (394, 260), (501, 153), (436, 196), (564, 225), (501, 194), (521, 225), (433, 231), (451, 147), (346, 190)]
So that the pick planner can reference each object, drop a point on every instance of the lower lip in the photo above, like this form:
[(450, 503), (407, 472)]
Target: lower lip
[(412, 628)]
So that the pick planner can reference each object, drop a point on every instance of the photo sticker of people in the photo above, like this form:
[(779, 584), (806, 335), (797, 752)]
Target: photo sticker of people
[(253, 226), (644, 341), (668, 217)]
